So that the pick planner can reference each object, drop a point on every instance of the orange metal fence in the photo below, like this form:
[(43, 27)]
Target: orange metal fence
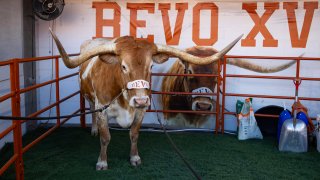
[(226, 75), (15, 96), (222, 76)]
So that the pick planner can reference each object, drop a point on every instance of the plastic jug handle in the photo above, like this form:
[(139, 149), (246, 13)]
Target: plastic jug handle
[(297, 82)]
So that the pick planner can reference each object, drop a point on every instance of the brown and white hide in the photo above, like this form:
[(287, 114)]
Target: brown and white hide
[(101, 81)]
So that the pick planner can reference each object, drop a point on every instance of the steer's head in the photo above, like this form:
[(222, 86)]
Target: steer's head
[(135, 58), (198, 84)]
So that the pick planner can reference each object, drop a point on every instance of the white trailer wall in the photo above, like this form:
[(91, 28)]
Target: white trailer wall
[(11, 46), (78, 23)]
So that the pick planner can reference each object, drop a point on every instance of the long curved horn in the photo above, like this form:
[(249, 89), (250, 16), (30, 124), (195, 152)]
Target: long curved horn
[(194, 59), (84, 56), (257, 68)]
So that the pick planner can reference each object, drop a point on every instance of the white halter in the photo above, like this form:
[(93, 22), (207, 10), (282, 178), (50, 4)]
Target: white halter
[(138, 84), (202, 90)]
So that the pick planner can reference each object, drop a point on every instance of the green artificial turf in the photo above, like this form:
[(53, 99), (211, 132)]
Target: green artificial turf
[(71, 153)]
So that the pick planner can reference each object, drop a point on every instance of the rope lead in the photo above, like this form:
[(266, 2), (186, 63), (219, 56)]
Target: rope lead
[(15, 118), (175, 147)]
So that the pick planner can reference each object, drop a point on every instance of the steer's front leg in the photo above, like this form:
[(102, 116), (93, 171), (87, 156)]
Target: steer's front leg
[(105, 138), (135, 159)]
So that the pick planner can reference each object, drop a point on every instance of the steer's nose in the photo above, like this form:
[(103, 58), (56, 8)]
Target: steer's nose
[(141, 101), (202, 106)]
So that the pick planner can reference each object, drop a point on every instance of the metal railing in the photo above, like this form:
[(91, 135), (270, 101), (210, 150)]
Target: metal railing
[(226, 75), (15, 96), (221, 75)]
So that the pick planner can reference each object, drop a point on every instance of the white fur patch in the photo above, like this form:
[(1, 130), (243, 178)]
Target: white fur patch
[(125, 94), (135, 158), (194, 105), (102, 164), (89, 67), (122, 116)]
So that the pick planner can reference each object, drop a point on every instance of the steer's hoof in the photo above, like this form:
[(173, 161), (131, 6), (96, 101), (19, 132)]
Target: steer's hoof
[(94, 131), (135, 160), (101, 166)]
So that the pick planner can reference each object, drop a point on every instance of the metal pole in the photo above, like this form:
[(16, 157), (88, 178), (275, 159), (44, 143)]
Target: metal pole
[(29, 68), (57, 89), (82, 110), (15, 105), (218, 98), (223, 93)]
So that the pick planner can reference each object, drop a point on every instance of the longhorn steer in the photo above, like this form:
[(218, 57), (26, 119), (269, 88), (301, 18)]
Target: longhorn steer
[(198, 85), (123, 65)]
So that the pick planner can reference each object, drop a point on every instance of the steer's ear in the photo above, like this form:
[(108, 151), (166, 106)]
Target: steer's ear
[(109, 58), (160, 58)]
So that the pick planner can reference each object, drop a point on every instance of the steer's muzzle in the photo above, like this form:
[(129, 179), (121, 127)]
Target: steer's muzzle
[(141, 102), (203, 106)]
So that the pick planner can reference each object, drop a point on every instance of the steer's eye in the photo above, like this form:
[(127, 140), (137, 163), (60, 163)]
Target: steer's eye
[(190, 72), (124, 68)]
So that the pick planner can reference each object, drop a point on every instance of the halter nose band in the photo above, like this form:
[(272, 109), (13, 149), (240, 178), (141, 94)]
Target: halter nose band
[(138, 84), (202, 90)]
